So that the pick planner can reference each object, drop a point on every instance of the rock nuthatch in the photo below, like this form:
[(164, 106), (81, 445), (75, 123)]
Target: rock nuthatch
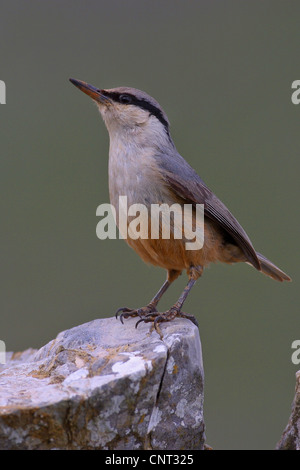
[(145, 166)]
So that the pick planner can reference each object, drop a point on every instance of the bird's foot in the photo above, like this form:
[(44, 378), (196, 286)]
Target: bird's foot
[(126, 312), (169, 315)]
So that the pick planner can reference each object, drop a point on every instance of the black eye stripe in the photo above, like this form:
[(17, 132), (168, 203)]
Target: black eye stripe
[(128, 98)]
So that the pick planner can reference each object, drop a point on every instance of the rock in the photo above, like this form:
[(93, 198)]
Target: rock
[(290, 439), (104, 385)]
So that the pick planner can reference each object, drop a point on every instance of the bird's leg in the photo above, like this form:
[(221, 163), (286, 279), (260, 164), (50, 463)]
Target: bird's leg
[(175, 311), (140, 312), (126, 312)]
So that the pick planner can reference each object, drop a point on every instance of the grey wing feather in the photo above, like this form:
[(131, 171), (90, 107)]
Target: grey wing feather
[(184, 181)]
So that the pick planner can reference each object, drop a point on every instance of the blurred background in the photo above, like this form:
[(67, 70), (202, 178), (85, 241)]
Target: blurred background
[(223, 73)]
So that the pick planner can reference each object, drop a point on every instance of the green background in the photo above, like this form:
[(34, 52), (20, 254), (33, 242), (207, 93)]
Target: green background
[(223, 71)]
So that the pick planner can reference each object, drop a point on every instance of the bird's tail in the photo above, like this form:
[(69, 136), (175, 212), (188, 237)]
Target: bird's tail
[(268, 268)]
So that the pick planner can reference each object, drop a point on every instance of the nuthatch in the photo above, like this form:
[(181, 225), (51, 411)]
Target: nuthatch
[(145, 166)]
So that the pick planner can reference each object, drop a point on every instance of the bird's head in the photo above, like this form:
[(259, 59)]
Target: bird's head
[(127, 110)]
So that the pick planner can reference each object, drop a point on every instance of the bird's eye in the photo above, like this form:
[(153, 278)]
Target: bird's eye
[(125, 99)]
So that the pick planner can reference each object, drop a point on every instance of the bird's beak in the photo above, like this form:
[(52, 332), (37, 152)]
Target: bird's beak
[(91, 91)]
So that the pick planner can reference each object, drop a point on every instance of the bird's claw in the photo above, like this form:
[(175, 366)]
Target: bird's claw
[(169, 315), (138, 312)]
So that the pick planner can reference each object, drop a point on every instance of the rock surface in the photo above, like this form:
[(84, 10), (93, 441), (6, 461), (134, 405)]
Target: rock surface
[(103, 385), (290, 439)]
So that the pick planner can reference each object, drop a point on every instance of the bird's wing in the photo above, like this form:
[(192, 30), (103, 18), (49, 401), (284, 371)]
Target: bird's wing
[(187, 184)]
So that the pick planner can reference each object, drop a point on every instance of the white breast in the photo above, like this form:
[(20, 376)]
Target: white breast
[(133, 172)]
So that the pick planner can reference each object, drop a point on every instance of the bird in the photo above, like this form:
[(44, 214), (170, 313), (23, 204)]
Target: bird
[(145, 166)]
